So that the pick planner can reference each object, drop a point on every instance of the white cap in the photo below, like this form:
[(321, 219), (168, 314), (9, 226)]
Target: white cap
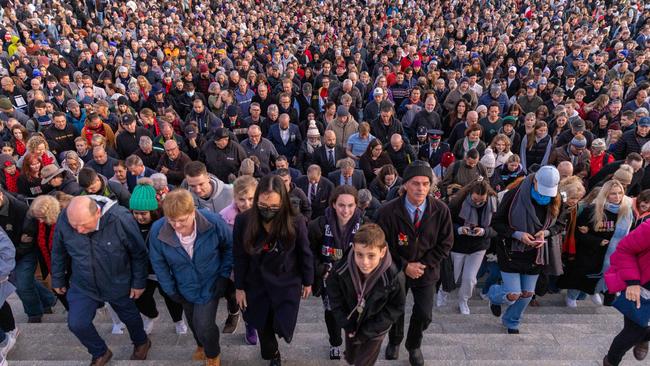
[(547, 178), (378, 91), (512, 68)]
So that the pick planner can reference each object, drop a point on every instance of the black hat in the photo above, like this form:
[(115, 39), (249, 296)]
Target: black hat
[(418, 168), (422, 131), (221, 133), (122, 100), (57, 90), (231, 111), (127, 119)]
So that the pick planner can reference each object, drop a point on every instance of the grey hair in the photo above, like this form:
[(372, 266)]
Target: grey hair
[(159, 181), (364, 196), (646, 147), (145, 141)]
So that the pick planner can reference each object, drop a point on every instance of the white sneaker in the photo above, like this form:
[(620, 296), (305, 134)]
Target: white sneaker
[(14, 333), (596, 299), (148, 323), (181, 327), (118, 328), (571, 303), (3, 362), (441, 299), (464, 308), (7, 345)]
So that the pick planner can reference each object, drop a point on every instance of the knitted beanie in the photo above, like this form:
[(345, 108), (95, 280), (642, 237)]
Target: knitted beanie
[(312, 130), (418, 168), (143, 198), (624, 174), (489, 160)]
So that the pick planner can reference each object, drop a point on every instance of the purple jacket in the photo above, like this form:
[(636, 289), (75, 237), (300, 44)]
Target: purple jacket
[(630, 263)]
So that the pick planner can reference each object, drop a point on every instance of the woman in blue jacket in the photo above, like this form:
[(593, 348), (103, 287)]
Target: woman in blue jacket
[(273, 265), (191, 253)]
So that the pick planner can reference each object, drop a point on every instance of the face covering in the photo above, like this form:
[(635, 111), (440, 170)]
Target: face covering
[(190, 94), (267, 214), (540, 198), (612, 207)]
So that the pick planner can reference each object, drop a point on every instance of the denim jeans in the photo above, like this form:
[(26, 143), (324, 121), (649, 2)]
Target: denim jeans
[(202, 321), (513, 283), (494, 275), (34, 296), (574, 294), (81, 315)]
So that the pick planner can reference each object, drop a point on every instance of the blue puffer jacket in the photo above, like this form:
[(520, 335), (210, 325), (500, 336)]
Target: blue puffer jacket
[(196, 279), (106, 263)]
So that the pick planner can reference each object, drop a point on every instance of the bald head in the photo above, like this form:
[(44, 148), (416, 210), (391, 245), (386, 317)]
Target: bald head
[(472, 117), (83, 214), (565, 168)]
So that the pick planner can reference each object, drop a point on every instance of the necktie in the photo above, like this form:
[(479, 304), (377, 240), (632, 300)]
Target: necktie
[(330, 157), (312, 192), (416, 218)]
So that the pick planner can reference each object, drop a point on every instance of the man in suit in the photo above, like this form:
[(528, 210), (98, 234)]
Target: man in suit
[(328, 154), (317, 188), (347, 174), (286, 138), (135, 170)]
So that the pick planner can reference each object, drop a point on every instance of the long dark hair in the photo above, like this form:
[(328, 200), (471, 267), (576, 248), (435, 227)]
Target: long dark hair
[(479, 186), (282, 230), (371, 146)]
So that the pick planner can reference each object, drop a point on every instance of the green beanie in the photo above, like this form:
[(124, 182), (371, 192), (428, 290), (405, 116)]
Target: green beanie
[(143, 198)]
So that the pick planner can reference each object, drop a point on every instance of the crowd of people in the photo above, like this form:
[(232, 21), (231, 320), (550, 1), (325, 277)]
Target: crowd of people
[(264, 152)]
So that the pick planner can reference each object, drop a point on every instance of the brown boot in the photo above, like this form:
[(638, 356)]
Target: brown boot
[(640, 351), (103, 360), (140, 352), (199, 354), (213, 361), (606, 362)]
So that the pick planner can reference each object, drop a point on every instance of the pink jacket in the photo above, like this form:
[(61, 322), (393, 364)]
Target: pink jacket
[(229, 213), (630, 263)]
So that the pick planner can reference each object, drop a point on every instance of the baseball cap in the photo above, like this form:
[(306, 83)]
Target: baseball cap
[(127, 119), (221, 133), (644, 122), (578, 124), (378, 91), (547, 178)]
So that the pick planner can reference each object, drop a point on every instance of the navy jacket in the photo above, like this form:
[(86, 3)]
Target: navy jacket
[(106, 264), (132, 180), (290, 150), (196, 279)]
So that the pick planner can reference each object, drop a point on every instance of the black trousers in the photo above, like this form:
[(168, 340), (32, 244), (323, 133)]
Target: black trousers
[(631, 335), (267, 338), (147, 304), (362, 354), (420, 319), (333, 329), (202, 321), (231, 299), (7, 322)]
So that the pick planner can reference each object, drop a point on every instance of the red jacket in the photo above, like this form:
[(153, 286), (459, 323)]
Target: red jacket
[(630, 263), (598, 162)]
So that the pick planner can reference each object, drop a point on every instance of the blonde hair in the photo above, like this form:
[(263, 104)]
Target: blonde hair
[(177, 203), (36, 140), (244, 184), (599, 203), (48, 206), (572, 186), (506, 141)]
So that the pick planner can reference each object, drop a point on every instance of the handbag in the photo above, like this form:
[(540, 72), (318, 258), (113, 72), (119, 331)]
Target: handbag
[(640, 316)]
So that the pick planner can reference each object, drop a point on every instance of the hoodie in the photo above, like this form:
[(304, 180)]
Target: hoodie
[(221, 197)]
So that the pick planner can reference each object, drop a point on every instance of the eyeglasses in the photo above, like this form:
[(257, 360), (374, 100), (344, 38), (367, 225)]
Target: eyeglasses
[(265, 207), (185, 220)]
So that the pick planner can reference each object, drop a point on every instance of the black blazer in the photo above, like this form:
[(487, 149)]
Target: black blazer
[(323, 192), (320, 158), (358, 179)]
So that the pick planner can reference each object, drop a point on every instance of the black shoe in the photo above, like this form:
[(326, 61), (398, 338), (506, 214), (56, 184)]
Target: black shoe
[(276, 361), (416, 358), (392, 352), (49, 309), (495, 309), (513, 331), (35, 319)]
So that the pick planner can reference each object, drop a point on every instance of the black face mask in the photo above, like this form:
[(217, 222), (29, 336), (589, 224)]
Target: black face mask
[(268, 214)]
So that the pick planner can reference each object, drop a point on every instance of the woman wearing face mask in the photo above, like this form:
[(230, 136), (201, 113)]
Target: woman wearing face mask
[(525, 219), (243, 193), (274, 265), (536, 147), (471, 209), (331, 236), (599, 228), (641, 207)]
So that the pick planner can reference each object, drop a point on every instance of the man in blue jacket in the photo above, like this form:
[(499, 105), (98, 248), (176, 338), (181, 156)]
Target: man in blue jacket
[(108, 261), (191, 253)]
